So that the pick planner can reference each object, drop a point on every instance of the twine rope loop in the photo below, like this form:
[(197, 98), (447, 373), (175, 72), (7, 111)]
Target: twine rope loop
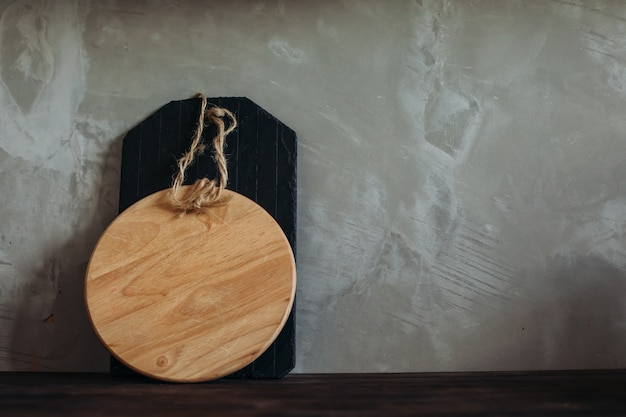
[(204, 192)]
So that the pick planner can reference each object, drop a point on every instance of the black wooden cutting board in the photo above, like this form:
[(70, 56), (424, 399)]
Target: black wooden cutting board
[(261, 155)]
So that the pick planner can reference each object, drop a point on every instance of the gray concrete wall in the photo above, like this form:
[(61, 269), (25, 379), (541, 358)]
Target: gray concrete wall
[(461, 189)]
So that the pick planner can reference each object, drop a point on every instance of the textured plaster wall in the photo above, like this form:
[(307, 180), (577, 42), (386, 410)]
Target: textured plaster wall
[(462, 182)]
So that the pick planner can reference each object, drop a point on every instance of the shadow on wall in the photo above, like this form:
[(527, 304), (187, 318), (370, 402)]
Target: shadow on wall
[(579, 321), (588, 318), (63, 339)]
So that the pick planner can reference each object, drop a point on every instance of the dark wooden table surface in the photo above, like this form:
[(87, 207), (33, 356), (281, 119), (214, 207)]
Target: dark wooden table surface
[(558, 393)]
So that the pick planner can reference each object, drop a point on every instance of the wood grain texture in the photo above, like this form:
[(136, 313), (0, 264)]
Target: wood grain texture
[(192, 297), (559, 393)]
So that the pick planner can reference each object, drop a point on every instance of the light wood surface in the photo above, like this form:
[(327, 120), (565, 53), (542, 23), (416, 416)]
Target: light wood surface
[(193, 297)]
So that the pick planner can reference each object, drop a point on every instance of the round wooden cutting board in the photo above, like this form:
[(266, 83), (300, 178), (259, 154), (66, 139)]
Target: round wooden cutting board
[(191, 297)]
